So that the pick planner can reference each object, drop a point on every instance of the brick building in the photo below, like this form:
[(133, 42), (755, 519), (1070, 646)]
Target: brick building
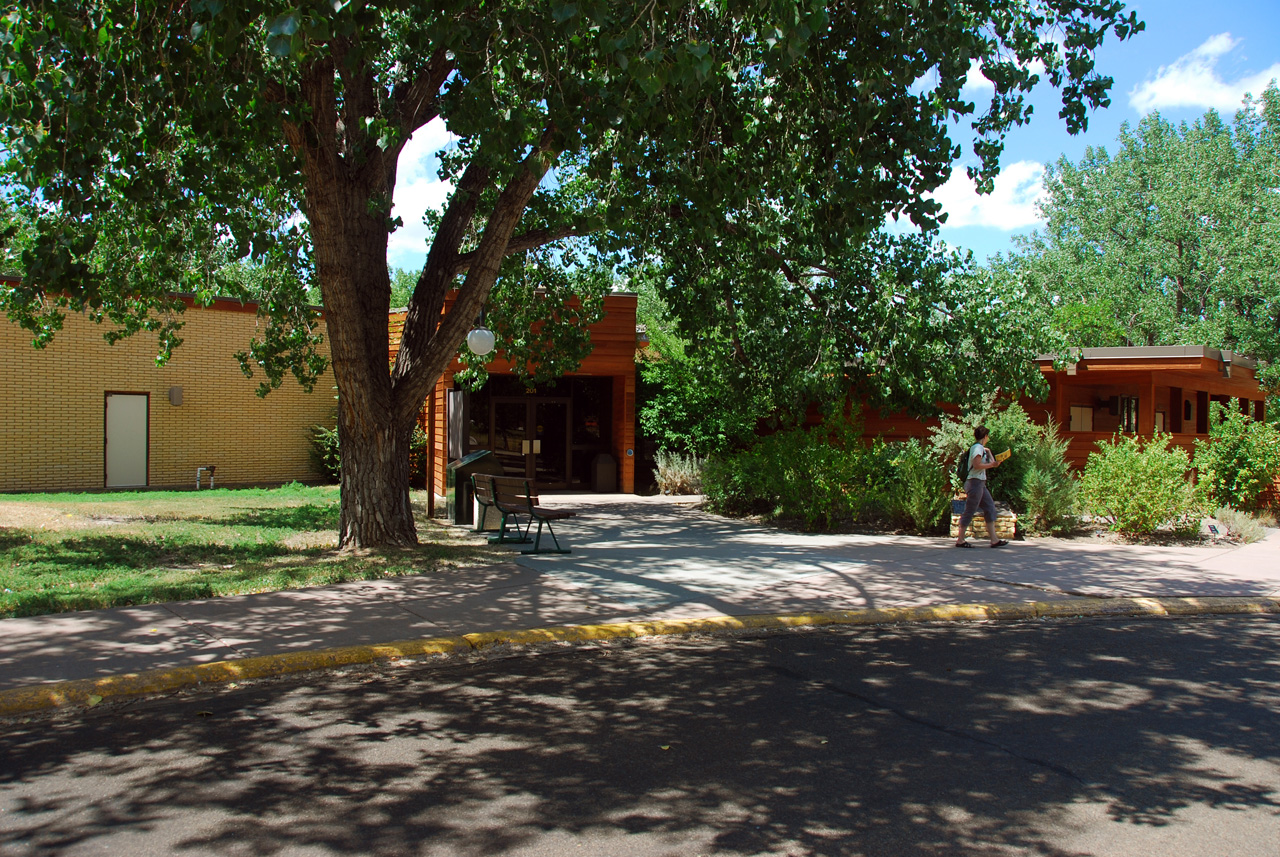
[(81, 414)]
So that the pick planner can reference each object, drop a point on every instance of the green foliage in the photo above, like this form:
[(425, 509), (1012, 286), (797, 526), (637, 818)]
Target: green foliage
[(540, 312), (1139, 487), (691, 400), (1240, 461), (325, 454), (1169, 240), (829, 478), (677, 474), (1010, 429), (1049, 491), (922, 489)]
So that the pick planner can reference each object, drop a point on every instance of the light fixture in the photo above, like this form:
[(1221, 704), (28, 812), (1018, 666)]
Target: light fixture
[(481, 341), (1225, 358)]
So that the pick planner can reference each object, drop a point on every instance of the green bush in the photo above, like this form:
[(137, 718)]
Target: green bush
[(1049, 491), (1138, 487), (822, 479), (327, 458), (324, 453), (829, 478), (1010, 429), (922, 486), (1240, 460)]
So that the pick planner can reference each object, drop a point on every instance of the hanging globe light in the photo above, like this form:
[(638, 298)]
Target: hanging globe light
[(481, 340)]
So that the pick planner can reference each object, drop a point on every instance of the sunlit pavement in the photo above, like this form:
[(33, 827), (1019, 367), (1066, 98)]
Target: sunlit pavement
[(634, 558)]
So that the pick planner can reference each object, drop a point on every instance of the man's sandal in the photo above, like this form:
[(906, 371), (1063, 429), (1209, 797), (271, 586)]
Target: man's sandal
[(1000, 544), (963, 545)]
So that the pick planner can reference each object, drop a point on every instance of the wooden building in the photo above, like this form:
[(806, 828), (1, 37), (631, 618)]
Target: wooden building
[(1107, 390), (1138, 390), (561, 435)]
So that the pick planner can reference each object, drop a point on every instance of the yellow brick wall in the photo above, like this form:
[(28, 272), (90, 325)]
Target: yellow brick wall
[(53, 407)]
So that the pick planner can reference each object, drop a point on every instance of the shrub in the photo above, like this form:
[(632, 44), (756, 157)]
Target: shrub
[(1139, 488), (1240, 525), (1010, 429), (821, 478), (324, 453), (1240, 460), (678, 474), (1049, 491), (922, 485)]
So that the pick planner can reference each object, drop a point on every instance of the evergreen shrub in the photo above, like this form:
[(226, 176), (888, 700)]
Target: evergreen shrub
[(1049, 491)]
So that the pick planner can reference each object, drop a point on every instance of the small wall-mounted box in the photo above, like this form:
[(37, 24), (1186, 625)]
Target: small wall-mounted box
[(175, 396)]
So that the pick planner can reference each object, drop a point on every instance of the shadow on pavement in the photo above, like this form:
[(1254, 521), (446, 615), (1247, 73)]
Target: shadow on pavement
[(1056, 740)]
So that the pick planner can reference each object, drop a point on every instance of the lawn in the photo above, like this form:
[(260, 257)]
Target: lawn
[(61, 552)]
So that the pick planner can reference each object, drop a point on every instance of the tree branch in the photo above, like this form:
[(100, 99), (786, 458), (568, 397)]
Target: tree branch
[(520, 243), (417, 101)]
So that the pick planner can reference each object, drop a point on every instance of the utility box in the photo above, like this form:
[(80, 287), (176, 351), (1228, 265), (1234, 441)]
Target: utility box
[(459, 492), (604, 474)]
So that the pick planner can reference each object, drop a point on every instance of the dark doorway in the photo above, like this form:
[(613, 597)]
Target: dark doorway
[(549, 434)]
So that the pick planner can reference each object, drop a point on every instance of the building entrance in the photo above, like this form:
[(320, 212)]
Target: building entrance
[(548, 435)]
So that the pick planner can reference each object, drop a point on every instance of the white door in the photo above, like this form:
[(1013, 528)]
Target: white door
[(126, 440)]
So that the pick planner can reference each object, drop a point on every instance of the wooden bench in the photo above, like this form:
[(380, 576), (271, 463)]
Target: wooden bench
[(513, 498)]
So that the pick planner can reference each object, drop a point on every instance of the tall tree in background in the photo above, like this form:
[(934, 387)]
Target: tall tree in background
[(717, 130), (1172, 240)]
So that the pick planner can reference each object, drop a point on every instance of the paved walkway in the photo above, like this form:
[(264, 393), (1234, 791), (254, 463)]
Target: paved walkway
[(633, 558)]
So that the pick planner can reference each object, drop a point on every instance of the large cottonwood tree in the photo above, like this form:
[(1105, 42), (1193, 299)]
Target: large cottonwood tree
[(671, 127), (1169, 238)]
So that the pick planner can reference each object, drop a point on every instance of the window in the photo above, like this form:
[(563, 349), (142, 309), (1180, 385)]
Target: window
[(1081, 418), (1129, 414)]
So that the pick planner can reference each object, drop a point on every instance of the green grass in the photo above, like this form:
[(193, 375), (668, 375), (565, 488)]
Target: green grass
[(62, 552)]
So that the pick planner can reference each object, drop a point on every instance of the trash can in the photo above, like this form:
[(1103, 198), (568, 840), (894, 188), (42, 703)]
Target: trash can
[(459, 493), (604, 474)]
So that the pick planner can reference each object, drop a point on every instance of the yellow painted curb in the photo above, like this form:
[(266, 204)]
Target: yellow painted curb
[(25, 700)]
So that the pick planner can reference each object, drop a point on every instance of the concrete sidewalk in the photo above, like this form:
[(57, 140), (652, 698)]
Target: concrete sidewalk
[(634, 559)]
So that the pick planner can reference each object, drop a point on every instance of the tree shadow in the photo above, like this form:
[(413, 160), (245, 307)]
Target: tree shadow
[(307, 518), (933, 740), (14, 537)]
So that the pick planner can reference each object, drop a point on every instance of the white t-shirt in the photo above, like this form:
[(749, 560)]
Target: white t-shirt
[(979, 449)]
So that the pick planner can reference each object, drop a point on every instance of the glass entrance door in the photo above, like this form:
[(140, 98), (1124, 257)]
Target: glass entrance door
[(551, 442), (530, 437), (509, 434)]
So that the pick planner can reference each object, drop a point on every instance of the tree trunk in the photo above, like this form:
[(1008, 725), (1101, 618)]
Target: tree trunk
[(350, 244), (375, 502)]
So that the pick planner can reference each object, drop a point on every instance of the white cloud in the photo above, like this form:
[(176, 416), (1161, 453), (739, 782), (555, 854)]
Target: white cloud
[(1011, 205), (975, 80), (418, 190), (1193, 80)]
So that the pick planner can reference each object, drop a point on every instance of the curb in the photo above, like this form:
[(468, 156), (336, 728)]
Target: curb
[(90, 692)]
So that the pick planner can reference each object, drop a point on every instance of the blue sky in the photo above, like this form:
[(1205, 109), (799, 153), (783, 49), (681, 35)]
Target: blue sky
[(1192, 57)]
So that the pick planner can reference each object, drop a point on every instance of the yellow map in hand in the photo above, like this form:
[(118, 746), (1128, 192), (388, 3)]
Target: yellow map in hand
[(1004, 455)]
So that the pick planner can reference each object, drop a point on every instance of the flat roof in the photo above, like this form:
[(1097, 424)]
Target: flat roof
[(1152, 352)]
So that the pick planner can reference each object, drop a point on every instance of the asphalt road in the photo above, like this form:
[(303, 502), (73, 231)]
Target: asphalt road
[(1147, 737)]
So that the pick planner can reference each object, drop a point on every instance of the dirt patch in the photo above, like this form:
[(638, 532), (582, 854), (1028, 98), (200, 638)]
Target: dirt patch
[(29, 516), (327, 539)]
